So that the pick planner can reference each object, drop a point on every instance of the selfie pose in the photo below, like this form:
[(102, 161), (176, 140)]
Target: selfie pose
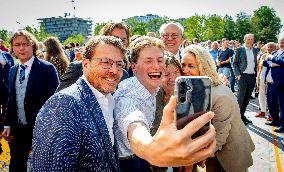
[(234, 145)]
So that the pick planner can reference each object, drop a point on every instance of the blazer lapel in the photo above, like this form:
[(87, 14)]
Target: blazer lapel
[(255, 55), (33, 73), (12, 78), (94, 107)]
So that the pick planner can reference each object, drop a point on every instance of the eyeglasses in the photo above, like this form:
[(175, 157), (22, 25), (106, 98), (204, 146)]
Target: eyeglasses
[(107, 63), (24, 44), (173, 36)]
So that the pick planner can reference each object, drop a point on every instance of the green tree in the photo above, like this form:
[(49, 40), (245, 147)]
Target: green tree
[(214, 27), (4, 35), (230, 28), (98, 27), (266, 24), (136, 27), (195, 27), (243, 25), (76, 38), (40, 33), (154, 24)]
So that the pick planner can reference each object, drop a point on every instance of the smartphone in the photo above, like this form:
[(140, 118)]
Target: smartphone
[(193, 99)]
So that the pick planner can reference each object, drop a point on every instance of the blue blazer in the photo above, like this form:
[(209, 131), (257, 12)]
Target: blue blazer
[(277, 72), (71, 134), (42, 83), (4, 70)]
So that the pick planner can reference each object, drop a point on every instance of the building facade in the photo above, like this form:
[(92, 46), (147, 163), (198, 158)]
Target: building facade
[(64, 27)]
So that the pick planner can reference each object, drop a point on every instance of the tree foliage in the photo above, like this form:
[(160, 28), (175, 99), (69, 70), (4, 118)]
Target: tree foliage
[(4, 35), (136, 27), (243, 25), (214, 27), (98, 27), (40, 33), (266, 24), (195, 27), (229, 28), (76, 38)]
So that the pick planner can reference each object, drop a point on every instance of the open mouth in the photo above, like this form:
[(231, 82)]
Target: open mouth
[(170, 44), (155, 75)]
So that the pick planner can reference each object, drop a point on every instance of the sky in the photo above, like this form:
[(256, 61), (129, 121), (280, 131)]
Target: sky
[(16, 14)]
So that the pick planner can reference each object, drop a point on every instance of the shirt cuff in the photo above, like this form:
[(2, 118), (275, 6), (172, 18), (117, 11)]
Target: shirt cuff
[(7, 127), (135, 116)]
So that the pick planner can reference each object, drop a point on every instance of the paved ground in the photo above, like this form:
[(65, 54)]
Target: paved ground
[(269, 152), (268, 155)]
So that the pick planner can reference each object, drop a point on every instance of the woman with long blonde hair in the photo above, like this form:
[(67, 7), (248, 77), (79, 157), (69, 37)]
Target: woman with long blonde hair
[(233, 140)]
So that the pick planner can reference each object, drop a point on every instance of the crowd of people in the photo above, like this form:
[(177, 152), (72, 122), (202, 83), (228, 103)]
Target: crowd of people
[(109, 105)]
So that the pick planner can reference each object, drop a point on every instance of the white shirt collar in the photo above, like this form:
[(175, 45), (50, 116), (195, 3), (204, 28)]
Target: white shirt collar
[(247, 47), (96, 92), (29, 63)]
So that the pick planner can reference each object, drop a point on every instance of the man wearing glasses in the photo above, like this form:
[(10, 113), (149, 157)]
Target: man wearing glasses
[(74, 129), (74, 70), (171, 35)]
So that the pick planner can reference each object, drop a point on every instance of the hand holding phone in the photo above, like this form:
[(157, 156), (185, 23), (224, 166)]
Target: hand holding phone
[(193, 99)]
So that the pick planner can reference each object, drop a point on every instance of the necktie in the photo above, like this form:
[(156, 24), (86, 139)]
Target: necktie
[(22, 73)]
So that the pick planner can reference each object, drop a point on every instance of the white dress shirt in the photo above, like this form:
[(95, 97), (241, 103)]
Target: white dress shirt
[(133, 103), (250, 61), (106, 103)]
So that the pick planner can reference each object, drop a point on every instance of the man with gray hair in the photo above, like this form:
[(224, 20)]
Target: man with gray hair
[(244, 66), (171, 34)]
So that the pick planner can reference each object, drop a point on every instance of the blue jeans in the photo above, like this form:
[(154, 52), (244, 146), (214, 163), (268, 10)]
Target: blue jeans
[(228, 72)]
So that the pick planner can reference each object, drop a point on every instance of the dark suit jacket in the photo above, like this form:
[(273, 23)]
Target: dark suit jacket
[(71, 134), (42, 83), (4, 70), (73, 72), (277, 72), (240, 60)]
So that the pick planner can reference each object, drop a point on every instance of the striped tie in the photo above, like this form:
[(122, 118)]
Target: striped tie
[(22, 73)]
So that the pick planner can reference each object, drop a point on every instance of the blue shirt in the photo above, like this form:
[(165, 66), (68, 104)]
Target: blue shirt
[(133, 103), (214, 54)]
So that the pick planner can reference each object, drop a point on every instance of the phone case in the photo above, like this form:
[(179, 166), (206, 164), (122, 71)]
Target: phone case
[(193, 99)]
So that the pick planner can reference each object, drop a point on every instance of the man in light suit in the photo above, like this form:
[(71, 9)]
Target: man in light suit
[(31, 83), (275, 87), (244, 67)]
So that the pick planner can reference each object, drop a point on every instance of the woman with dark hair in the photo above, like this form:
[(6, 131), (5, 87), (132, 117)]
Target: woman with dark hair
[(55, 55)]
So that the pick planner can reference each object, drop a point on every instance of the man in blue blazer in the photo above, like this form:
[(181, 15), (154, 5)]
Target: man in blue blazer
[(275, 87), (73, 130), (31, 83)]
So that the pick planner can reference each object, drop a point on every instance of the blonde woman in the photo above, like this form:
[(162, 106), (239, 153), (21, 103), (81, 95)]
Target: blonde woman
[(55, 55), (233, 140)]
